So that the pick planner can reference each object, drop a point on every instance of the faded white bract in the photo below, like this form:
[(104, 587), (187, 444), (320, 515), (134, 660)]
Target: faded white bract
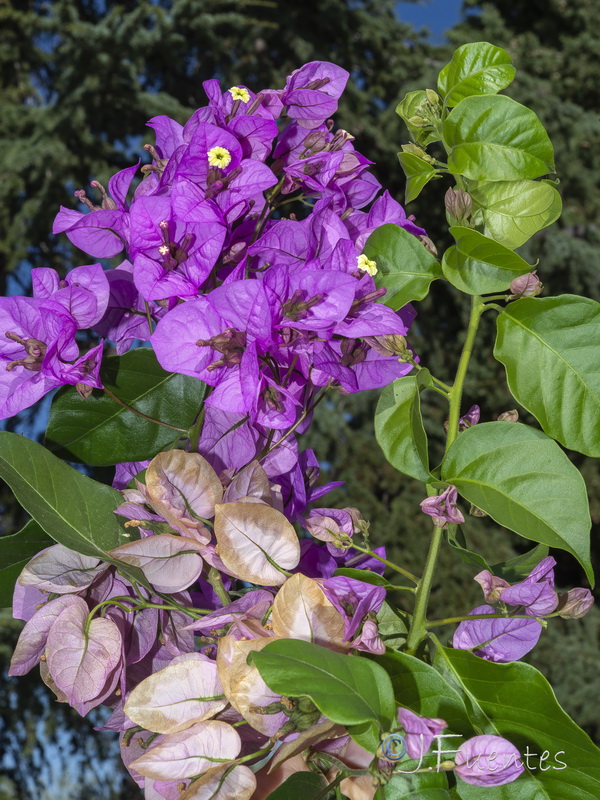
[(177, 697), (256, 542)]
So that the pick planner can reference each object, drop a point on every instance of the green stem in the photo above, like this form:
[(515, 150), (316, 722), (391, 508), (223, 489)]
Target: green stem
[(389, 564), (196, 430), (148, 316), (139, 413), (418, 628), (215, 580), (331, 786), (461, 373)]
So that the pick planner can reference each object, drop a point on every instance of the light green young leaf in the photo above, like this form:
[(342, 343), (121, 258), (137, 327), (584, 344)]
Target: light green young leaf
[(100, 432), (418, 173), (512, 211), (74, 510), (399, 428), (525, 482), (494, 138), (516, 702), (550, 348), (476, 68), (16, 551), (407, 108), (348, 689), (404, 266), (478, 265)]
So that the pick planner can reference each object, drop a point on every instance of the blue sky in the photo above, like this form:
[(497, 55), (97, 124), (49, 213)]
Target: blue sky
[(437, 15)]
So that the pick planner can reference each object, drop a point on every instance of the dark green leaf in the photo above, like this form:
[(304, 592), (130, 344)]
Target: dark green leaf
[(347, 689), (516, 701), (418, 174), (300, 786), (427, 786), (512, 211), (517, 568), (477, 68), (100, 432), (399, 428), (15, 552), (393, 624), (525, 482), (404, 266), (550, 348), (478, 265), (73, 509), (494, 138), (421, 688), (455, 538), (364, 575)]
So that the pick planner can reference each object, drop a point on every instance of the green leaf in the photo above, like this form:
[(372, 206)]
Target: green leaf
[(516, 701), (427, 786), (525, 482), (478, 265), (550, 348), (421, 688), (494, 138), (100, 432), (300, 786), (519, 567), (15, 552), (72, 508), (512, 211), (364, 575), (407, 108), (456, 539), (418, 174), (399, 428), (348, 689), (393, 625), (477, 68), (404, 266)]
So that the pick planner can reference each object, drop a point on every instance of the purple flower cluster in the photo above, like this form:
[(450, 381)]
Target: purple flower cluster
[(511, 636), (265, 309)]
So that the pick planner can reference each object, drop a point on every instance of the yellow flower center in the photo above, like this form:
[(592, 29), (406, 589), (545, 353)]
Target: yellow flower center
[(366, 264), (240, 93), (219, 157)]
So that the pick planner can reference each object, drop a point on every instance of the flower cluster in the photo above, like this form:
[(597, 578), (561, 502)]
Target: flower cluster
[(217, 574), (523, 607)]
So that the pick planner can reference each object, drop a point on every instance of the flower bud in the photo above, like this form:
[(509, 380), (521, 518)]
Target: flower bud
[(575, 603), (443, 508), (477, 512), (415, 150), (509, 416), (528, 285), (432, 97), (470, 418), (428, 245), (458, 205), (391, 344), (418, 122)]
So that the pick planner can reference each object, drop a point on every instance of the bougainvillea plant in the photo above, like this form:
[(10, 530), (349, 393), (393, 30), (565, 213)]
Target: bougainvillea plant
[(242, 633)]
